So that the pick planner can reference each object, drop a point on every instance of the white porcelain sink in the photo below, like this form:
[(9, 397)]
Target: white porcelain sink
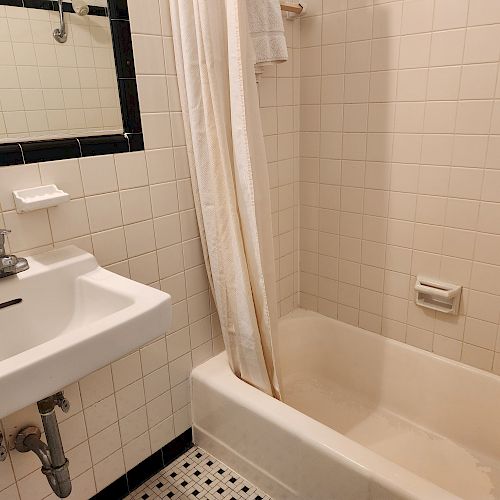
[(74, 318)]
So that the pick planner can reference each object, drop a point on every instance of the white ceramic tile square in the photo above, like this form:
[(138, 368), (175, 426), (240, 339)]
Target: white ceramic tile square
[(157, 130), (164, 199), (160, 165), (126, 370), (131, 170), (98, 175), (96, 386), (154, 356), (104, 212), (159, 409), (133, 425), (135, 205), (109, 470), (144, 268), (130, 398), (153, 93), (100, 415), (156, 382), (105, 443), (140, 238), (65, 174), (69, 220), (109, 246)]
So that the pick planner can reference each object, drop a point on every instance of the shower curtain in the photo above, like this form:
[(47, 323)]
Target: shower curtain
[(215, 68)]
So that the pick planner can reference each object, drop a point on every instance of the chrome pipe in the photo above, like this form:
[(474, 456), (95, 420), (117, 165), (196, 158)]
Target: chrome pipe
[(54, 441), (33, 442), (60, 33), (55, 465)]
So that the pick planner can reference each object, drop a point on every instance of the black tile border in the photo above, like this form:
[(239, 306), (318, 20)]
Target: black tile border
[(10, 154), (94, 10), (130, 481), (103, 145), (24, 152)]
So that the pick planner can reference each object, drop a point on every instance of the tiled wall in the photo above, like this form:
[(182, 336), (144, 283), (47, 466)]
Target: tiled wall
[(395, 104), (135, 213), (400, 167), (51, 89), (279, 90)]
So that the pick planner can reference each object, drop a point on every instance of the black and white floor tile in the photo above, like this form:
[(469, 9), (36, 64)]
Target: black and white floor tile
[(196, 475)]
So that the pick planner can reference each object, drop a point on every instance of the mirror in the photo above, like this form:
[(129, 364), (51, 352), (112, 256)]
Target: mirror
[(50, 89)]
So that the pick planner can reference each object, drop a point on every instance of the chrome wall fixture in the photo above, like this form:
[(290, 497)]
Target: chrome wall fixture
[(10, 264), (55, 465), (60, 33), (79, 7)]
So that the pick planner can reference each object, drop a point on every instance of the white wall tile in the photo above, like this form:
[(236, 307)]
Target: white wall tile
[(416, 204), (140, 238), (65, 174), (100, 415), (154, 356), (105, 443), (131, 170), (69, 220), (29, 230), (109, 246), (104, 212), (148, 54), (109, 470), (96, 386), (126, 370), (98, 175), (135, 205), (157, 130), (145, 18), (136, 451)]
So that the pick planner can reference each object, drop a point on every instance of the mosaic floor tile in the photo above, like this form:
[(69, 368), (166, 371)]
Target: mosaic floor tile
[(197, 475)]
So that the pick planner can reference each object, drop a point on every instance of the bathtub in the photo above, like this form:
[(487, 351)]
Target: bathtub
[(362, 417)]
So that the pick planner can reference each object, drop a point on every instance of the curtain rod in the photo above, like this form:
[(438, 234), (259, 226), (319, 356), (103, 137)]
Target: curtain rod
[(295, 8)]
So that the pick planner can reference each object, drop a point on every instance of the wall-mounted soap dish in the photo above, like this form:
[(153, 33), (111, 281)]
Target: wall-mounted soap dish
[(437, 295), (39, 197)]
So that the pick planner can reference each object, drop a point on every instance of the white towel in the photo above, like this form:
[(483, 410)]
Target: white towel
[(267, 31)]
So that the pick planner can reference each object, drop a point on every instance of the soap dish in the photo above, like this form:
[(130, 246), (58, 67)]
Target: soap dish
[(437, 295), (39, 197)]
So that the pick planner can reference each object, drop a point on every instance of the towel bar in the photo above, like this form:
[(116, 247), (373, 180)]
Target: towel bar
[(294, 8)]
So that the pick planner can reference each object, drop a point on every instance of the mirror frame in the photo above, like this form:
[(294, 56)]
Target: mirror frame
[(18, 153)]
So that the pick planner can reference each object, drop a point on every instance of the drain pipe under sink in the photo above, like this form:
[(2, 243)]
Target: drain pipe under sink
[(55, 465)]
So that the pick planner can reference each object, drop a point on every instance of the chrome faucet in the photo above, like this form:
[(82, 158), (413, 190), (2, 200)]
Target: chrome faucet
[(10, 264)]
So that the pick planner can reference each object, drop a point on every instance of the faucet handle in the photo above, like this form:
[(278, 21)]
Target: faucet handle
[(4, 232), (62, 402)]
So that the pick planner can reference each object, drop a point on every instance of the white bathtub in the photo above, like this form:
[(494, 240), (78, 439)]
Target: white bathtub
[(363, 417)]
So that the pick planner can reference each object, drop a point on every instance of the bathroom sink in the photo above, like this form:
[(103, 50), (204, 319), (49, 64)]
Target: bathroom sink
[(66, 317)]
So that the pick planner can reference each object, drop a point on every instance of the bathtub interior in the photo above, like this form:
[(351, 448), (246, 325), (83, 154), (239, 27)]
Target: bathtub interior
[(417, 410)]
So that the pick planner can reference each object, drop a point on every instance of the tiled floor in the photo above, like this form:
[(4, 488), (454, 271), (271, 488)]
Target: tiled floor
[(197, 475)]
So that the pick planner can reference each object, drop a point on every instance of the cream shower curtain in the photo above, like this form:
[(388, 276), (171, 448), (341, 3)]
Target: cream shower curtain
[(215, 68)]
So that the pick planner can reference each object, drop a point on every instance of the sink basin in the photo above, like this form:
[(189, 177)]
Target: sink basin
[(66, 317)]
